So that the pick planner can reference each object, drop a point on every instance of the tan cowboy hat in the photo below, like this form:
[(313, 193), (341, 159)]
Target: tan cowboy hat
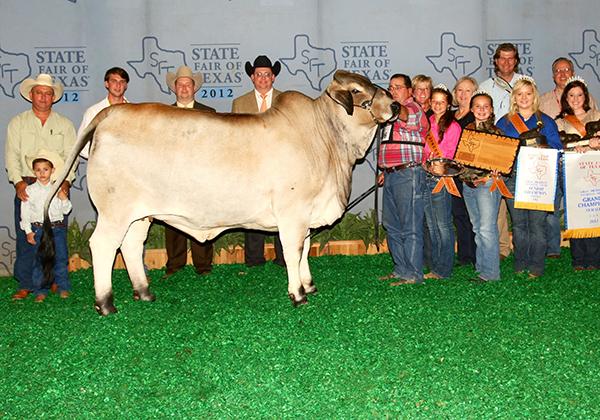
[(50, 155), (184, 71), (42, 80)]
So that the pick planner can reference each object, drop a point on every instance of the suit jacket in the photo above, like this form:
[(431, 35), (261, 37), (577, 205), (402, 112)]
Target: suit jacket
[(246, 104), (198, 105)]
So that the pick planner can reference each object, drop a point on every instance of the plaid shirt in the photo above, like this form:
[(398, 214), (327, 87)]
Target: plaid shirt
[(393, 152)]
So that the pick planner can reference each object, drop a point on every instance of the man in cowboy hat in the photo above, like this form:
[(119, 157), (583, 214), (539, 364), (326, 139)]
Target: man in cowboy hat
[(262, 73), (115, 82), (185, 84), (32, 130)]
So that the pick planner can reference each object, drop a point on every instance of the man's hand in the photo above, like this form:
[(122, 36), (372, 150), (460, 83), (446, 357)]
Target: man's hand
[(380, 179), (20, 190), (31, 238)]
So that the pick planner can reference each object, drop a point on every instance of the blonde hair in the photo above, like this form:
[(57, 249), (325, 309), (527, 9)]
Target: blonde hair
[(459, 81), (520, 84), (421, 78)]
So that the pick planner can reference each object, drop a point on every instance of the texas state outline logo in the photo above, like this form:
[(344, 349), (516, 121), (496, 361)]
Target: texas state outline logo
[(459, 59), (156, 62), (311, 62), (589, 55), (14, 68)]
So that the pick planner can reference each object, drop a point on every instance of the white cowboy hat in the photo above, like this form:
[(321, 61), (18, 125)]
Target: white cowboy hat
[(184, 71), (42, 80), (52, 156)]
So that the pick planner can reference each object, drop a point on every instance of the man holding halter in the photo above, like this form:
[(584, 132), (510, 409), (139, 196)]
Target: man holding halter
[(403, 180)]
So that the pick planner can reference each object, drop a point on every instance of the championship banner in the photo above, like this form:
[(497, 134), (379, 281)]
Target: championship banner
[(582, 194), (536, 178)]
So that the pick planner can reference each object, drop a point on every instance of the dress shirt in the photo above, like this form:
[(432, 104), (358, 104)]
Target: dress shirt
[(26, 136), (88, 116), (32, 210), (414, 130), (259, 98), (500, 94)]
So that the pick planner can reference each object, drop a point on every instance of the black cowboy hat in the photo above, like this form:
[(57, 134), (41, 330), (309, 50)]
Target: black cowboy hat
[(263, 61)]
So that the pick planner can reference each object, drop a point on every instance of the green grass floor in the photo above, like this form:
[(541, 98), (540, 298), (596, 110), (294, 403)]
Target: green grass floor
[(230, 345)]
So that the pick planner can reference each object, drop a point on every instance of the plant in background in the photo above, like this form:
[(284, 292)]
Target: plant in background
[(228, 241), (156, 236), (351, 227), (78, 239)]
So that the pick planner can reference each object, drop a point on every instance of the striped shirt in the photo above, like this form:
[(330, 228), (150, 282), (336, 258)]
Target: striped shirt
[(406, 139)]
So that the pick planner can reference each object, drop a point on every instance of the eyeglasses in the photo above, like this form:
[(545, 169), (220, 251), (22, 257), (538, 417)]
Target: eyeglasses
[(263, 74), (396, 87), (556, 71)]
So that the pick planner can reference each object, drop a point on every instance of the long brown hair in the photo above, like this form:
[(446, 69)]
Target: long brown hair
[(448, 116)]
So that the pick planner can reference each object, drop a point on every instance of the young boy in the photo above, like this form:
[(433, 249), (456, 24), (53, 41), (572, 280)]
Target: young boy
[(46, 165)]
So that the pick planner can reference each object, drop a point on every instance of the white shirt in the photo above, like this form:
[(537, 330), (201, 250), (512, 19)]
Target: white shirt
[(500, 94), (189, 106), (32, 210), (259, 98), (88, 116)]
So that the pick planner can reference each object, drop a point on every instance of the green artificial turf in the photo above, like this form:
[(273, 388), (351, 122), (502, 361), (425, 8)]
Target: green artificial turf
[(230, 345)]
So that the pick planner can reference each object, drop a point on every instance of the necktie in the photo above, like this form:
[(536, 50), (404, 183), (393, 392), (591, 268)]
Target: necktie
[(263, 105)]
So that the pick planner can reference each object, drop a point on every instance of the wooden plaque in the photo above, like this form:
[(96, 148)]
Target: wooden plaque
[(486, 151)]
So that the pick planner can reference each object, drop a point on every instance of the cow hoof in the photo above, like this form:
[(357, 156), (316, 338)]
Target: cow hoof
[(303, 300), (312, 290), (145, 295), (105, 308)]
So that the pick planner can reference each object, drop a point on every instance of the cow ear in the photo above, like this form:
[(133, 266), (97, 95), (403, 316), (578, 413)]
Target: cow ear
[(344, 98)]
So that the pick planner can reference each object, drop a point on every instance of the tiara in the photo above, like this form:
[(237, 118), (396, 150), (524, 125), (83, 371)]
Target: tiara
[(575, 79), (480, 92), (528, 79), (441, 86)]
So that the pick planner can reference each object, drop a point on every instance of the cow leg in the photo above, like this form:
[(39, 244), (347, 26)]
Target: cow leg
[(305, 276), (132, 249), (104, 243), (292, 240)]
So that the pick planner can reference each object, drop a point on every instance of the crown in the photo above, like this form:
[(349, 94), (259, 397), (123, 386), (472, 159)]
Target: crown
[(480, 92), (575, 79), (441, 86), (528, 78)]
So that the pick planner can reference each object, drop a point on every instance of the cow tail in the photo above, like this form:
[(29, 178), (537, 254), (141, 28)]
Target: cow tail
[(47, 252)]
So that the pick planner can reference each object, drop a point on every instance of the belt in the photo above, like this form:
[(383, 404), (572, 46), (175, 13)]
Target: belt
[(53, 224), (400, 167)]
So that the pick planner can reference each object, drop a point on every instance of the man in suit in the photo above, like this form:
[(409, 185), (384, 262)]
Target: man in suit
[(185, 84), (262, 73)]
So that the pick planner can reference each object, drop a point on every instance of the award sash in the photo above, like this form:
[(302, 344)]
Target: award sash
[(445, 181)]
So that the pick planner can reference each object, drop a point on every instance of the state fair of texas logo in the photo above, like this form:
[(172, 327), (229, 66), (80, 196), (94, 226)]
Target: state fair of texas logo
[(459, 59), (14, 68), (156, 62), (589, 55), (311, 62)]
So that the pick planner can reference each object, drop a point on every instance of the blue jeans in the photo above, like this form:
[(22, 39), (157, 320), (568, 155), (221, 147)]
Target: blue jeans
[(25, 253), (482, 205), (529, 235), (61, 264), (438, 216), (403, 221), (553, 218)]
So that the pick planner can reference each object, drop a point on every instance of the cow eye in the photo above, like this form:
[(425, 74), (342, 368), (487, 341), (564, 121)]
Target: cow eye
[(355, 90)]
